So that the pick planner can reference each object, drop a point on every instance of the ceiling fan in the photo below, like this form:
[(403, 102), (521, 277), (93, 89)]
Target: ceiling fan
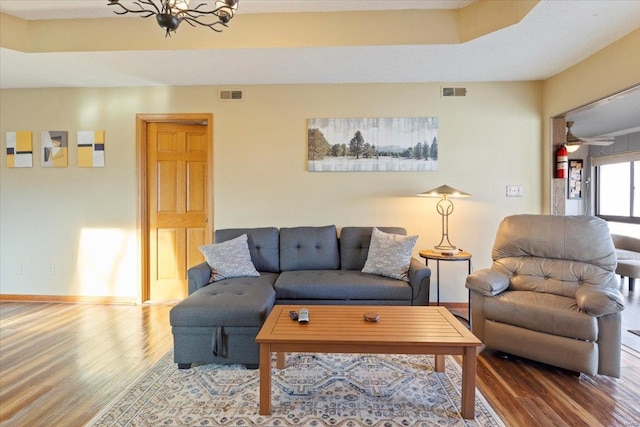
[(573, 142)]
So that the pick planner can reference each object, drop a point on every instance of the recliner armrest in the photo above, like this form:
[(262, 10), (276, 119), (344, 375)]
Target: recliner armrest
[(198, 276), (487, 282), (598, 300)]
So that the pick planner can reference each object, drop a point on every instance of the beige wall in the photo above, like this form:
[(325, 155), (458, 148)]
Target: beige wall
[(611, 70), (83, 221)]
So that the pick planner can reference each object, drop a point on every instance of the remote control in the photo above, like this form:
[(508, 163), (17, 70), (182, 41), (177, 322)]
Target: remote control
[(304, 315), (293, 315)]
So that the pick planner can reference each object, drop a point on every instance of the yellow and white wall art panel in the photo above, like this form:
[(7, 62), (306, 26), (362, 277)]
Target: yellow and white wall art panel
[(19, 149), (55, 149), (91, 148)]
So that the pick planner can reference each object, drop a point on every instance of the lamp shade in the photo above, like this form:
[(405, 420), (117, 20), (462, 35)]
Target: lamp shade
[(444, 191)]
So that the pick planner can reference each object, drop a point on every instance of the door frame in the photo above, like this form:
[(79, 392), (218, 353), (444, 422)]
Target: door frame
[(142, 120)]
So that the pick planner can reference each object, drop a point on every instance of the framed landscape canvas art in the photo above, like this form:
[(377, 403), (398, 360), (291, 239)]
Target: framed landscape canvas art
[(373, 144)]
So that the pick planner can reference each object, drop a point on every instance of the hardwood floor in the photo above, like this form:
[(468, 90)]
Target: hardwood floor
[(60, 364)]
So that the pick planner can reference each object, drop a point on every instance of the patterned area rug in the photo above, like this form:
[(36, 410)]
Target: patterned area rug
[(314, 390)]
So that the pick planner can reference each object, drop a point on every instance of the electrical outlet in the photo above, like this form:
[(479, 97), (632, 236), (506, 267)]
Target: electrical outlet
[(52, 270), (514, 191)]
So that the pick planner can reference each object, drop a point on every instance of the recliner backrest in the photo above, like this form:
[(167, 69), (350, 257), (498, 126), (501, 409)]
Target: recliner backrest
[(554, 254)]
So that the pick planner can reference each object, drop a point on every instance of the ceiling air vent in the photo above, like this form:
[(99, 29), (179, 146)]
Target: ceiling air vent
[(454, 91), (230, 95)]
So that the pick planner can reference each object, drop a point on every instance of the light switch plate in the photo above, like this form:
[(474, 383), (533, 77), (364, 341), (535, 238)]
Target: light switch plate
[(514, 191)]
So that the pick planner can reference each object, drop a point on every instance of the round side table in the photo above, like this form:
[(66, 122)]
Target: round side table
[(458, 256)]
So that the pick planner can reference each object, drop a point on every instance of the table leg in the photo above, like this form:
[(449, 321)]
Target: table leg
[(438, 282), (439, 362), (265, 379), (280, 360), (469, 297), (467, 407)]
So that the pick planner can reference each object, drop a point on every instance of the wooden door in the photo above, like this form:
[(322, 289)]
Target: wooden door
[(178, 205)]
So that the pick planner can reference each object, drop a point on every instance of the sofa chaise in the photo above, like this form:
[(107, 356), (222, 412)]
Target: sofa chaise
[(219, 320)]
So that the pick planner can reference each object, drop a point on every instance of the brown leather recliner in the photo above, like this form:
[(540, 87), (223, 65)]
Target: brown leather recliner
[(551, 294)]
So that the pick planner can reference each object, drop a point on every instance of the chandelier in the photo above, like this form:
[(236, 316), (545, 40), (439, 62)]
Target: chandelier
[(170, 13)]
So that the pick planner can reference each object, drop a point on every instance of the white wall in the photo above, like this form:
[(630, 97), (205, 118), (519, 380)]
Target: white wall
[(83, 221)]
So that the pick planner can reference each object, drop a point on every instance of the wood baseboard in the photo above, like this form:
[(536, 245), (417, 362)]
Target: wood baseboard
[(460, 305), (71, 299)]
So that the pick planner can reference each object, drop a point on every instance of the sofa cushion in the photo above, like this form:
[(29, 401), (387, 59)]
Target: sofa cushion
[(354, 245), (229, 259), (547, 313), (264, 245), (309, 248), (243, 301), (339, 285), (389, 255)]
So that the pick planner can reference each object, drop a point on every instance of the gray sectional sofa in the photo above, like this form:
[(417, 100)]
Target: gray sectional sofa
[(304, 266)]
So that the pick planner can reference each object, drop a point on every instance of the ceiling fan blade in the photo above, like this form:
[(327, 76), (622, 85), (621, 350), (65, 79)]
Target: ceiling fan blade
[(605, 138), (601, 142)]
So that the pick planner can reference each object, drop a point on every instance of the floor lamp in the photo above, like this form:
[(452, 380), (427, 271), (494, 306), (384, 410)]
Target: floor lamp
[(444, 208)]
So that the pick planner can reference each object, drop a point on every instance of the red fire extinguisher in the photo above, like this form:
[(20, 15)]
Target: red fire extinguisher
[(562, 162)]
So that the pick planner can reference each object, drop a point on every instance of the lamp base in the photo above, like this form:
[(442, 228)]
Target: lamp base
[(445, 250)]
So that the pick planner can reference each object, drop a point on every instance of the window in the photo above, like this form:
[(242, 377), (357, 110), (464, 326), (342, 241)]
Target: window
[(618, 191)]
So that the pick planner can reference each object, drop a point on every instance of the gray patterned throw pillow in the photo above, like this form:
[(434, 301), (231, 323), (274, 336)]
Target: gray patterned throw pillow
[(389, 255), (229, 259)]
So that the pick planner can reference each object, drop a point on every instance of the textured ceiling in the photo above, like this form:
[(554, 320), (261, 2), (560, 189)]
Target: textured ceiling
[(73, 9), (555, 35)]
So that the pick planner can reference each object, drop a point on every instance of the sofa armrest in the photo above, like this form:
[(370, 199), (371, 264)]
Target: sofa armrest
[(487, 282), (420, 280), (198, 276), (598, 300)]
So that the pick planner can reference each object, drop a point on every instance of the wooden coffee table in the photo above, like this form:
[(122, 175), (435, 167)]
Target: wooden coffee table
[(342, 329)]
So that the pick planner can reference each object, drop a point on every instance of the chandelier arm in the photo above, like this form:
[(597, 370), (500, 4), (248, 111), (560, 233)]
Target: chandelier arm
[(140, 10), (193, 21), (148, 13), (226, 6), (171, 17), (147, 2), (195, 12), (151, 3)]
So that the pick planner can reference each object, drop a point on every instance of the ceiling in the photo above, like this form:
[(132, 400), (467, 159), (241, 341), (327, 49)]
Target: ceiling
[(67, 9), (555, 35)]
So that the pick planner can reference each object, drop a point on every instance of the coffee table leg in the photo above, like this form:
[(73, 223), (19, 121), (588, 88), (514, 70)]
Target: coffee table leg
[(265, 379), (280, 359), (439, 362), (468, 383)]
